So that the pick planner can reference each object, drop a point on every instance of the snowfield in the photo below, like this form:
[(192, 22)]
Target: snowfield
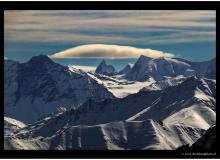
[(83, 68), (118, 86)]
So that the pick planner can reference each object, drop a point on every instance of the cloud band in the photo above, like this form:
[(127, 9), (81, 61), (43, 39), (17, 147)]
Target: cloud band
[(108, 51)]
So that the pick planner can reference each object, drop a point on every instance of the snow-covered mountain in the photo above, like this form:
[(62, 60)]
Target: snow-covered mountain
[(164, 118), (105, 69), (157, 103), (163, 67), (40, 86)]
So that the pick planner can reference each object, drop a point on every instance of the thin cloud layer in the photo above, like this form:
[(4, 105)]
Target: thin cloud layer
[(184, 32), (108, 51), (107, 26)]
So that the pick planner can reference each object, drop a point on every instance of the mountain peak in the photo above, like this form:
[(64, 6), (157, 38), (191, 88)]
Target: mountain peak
[(105, 69), (103, 62), (40, 58), (143, 59)]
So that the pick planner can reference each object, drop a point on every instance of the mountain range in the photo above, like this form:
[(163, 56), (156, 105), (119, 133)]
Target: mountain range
[(67, 108)]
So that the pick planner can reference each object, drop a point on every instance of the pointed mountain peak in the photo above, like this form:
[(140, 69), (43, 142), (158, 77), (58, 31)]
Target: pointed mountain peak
[(103, 62), (105, 69)]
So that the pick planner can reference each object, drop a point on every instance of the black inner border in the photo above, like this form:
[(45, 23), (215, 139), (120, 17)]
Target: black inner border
[(100, 5)]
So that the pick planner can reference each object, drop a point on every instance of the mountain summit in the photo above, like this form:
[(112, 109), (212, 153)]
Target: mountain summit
[(164, 67), (105, 69)]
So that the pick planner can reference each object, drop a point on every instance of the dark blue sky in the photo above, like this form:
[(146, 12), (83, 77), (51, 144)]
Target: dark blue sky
[(185, 34)]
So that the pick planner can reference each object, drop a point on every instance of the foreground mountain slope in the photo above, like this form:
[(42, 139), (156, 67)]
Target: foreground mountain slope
[(120, 135), (151, 119), (206, 143), (135, 135), (39, 87)]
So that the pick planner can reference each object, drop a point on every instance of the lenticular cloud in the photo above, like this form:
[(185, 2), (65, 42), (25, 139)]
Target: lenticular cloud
[(108, 51)]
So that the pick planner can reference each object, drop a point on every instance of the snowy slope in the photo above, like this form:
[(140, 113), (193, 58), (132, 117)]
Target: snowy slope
[(11, 125), (118, 135), (163, 67), (13, 143), (11, 121), (163, 84), (83, 68), (195, 116), (119, 86), (150, 119), (192, 92), (39, 87)]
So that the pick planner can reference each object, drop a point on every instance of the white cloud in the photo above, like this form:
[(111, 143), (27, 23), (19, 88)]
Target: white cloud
[(108, 51)]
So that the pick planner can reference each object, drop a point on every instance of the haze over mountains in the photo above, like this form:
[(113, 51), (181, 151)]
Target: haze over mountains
[(156, 103)]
